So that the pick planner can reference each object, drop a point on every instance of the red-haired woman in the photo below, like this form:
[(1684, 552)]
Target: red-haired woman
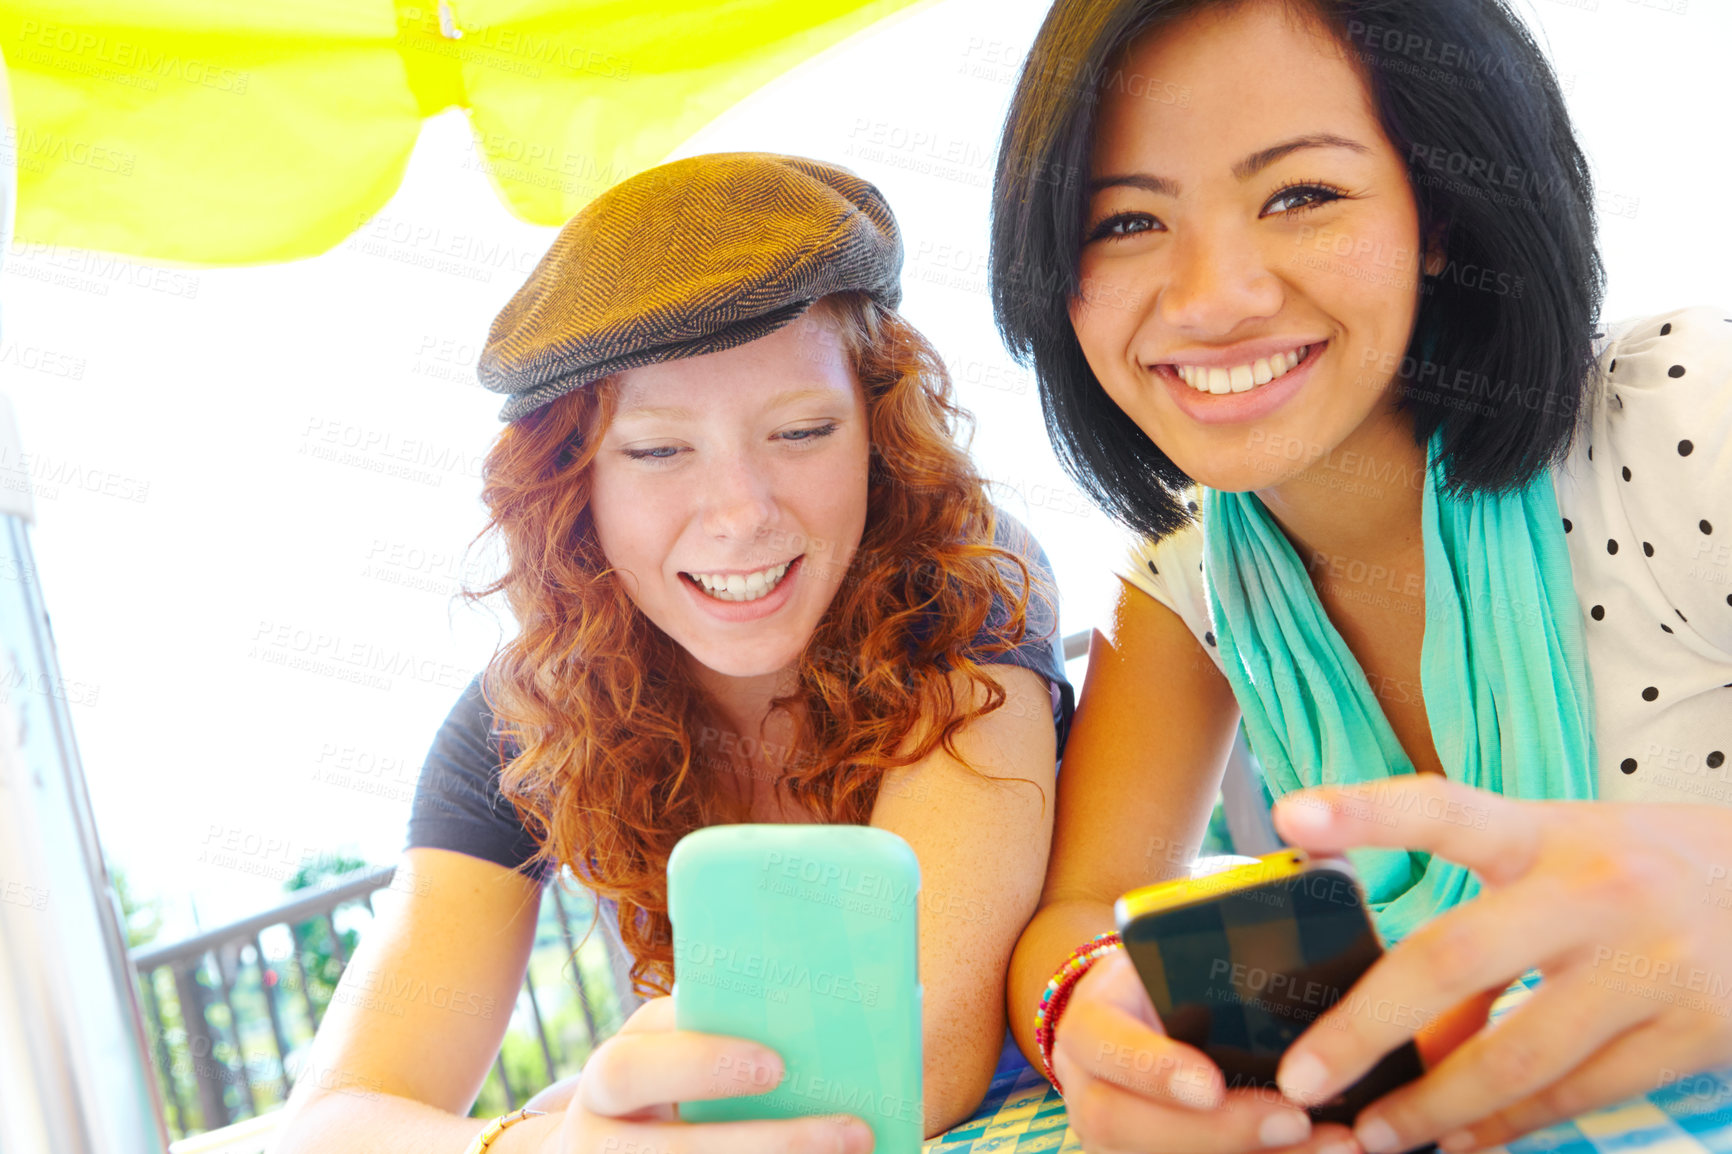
[(756, 579)]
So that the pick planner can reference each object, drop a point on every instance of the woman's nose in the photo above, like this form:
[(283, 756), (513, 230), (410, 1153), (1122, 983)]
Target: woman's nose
[(738, 500), (1218, 279)]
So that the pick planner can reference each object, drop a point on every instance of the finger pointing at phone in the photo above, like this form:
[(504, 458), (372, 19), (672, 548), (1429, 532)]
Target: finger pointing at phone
[(1615, 905)]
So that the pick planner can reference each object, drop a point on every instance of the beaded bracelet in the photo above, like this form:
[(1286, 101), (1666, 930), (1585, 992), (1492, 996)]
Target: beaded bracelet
[(492, 1130), (1057, 994)]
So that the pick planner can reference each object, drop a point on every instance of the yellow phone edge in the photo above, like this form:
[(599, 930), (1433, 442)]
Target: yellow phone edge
[(1177, 892)]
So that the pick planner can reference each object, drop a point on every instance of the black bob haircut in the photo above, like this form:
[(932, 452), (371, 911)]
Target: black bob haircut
[(1501, 346)]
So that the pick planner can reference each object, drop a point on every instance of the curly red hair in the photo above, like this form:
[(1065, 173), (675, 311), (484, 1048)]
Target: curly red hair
[(606, 721)]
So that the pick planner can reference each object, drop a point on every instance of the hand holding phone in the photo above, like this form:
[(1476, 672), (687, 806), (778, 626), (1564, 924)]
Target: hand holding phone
[(625, 1098), (1238, 964), (1129, 1087)]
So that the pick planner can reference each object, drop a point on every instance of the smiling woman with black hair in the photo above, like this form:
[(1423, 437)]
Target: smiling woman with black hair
[(1312, 293)]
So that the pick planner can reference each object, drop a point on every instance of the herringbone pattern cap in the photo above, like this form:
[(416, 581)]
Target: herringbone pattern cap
[(692, 257)]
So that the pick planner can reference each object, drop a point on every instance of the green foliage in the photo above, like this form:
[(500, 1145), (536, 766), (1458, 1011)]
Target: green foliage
[(313, 939), (326, 867), (142, 917)]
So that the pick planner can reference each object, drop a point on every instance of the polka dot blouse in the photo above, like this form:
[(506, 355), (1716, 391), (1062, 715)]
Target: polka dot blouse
[(1646, 501)]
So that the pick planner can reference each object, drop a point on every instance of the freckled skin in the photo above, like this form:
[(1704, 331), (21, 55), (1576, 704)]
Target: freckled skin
[(743, 483)]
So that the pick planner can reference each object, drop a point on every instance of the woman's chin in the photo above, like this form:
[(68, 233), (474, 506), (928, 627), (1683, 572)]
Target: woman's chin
[(1239, 477), (742, 672), (743, 661)]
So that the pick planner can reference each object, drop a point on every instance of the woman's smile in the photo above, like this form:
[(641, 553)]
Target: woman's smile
[(759, 593), (739, 585), (1218, 374), (1213, 395)]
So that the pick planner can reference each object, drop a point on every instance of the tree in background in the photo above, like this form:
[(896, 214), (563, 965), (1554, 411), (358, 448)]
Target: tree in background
[(313, 939), (142, 918)]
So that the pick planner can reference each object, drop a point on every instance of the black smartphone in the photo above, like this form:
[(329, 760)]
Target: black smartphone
[(1239, 963)]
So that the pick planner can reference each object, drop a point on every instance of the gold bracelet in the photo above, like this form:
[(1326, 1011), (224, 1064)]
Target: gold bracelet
[(485, 1139)]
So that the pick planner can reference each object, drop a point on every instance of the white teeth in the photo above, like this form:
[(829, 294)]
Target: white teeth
[(1239, 378), (742, 587)]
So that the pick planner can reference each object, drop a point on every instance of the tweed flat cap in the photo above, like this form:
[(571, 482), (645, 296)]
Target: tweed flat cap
[(692, 257)]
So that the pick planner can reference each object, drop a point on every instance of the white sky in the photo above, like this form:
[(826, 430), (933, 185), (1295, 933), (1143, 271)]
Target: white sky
[(225, 543)]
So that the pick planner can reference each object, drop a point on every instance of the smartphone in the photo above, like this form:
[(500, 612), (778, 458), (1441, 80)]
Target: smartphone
[(805, 938), (1239, 963)]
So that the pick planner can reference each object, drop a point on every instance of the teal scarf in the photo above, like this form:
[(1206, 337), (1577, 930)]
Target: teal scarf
[(1502, 669)]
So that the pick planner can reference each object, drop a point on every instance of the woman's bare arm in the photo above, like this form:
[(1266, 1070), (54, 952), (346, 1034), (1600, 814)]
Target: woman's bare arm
[(409, 1035), (1142, 767), (982, 847)]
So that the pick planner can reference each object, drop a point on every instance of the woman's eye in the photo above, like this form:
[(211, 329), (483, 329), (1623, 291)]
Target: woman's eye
[(811, 434), (669, 452), (1123, 224), (658, 453), (1299, 197)]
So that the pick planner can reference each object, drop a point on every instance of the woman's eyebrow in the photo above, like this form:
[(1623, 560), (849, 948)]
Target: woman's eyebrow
[(1244, 170), (674, 412), (794, 396), (646, 411), (1258, 161)]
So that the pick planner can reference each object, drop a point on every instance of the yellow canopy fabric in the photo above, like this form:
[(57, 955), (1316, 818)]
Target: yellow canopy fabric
[(230, 132)]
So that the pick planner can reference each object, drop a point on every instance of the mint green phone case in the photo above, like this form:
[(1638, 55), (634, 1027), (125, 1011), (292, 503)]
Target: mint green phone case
[(804, 938)]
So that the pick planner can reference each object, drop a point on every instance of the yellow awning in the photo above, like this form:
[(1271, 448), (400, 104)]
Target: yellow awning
[(229, 132)]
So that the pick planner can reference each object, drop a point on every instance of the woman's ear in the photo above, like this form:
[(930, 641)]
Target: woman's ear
[(1435, 239)]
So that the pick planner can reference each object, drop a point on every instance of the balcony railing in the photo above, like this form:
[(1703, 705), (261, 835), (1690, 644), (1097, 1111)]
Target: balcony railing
[(230, 1011)]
